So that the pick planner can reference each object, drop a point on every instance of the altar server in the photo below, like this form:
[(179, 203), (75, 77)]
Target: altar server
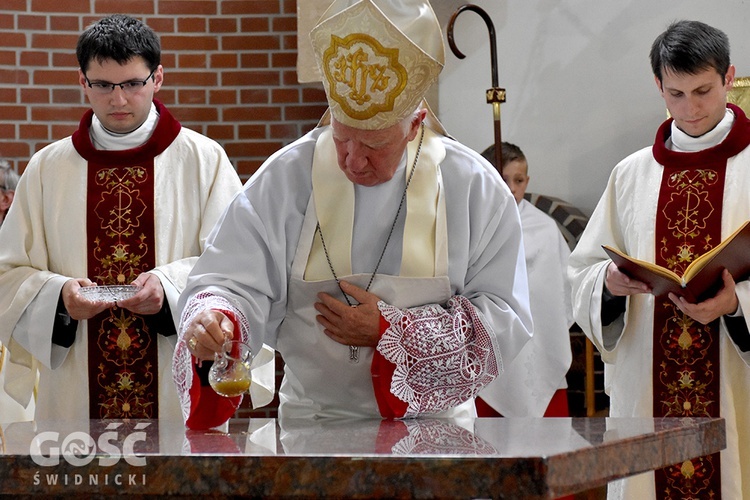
[(534, 384)]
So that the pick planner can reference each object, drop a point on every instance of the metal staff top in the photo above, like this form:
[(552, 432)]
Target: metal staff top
[(495, 95)]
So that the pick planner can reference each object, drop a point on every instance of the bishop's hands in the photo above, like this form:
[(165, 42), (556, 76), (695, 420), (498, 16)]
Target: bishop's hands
[(350, 325), (207, 332)]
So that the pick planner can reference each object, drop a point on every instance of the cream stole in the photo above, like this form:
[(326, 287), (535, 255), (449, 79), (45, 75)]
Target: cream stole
[(425, 248)]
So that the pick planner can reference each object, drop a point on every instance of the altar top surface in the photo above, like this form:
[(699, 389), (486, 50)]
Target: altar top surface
[(423, 458)]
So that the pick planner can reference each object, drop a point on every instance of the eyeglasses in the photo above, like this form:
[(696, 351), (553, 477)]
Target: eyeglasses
[(130, 87)]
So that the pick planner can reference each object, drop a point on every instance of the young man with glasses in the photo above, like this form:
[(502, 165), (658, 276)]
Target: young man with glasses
[(129, 198)]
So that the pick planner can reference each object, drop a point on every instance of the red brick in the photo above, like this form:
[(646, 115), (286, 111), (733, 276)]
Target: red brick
[(191, 60), (290, 6), (284, 60), (284, 95), (190, 43), (252, 113), (250, 42), (32, 131), (247, 168), (222, 25), (63, 59), (249, 7), (134, 7), (217, 132), (7, 130), (289, 42), (7, 58), (191, 25), (223, 60), (31, 22), (58, 6), (252, 149), (55, 77), (196, 126), (254, 96), (168, 60), (67, 96), (189, 96), (34, 58), (192, 7), (252, 131), (61, 130), (192, 78), (167, 95), (289, 77), (312, 94), (53, 41), (195, 114), (8, 95), (35, 95), (64, 23), (284, 131), (222, 96), (56, 113), (286, 23), (15, 149), (300, 113), (7, 22), (162, 25), (255, 60), (14, 5), (255, 25), (255, 78), (12, 39), (14, 76)]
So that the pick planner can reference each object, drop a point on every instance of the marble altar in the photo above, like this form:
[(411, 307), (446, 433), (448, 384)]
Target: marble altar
[(424, 458)]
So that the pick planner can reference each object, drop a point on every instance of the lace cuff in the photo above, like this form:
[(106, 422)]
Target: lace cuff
[(443, 357)]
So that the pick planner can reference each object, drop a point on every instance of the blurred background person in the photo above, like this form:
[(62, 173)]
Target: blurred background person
[(534, 383), (8, 182)]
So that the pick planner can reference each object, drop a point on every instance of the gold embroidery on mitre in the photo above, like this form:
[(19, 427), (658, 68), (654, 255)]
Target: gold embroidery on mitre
[(364, 77)]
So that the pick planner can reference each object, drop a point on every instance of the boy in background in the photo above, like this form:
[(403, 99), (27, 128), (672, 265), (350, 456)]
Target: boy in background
[(534, 384)]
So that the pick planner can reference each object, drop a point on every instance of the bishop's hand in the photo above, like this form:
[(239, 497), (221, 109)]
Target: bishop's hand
[(357, 325)]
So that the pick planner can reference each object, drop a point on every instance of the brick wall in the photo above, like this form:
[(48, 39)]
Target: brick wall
[(230, 72)]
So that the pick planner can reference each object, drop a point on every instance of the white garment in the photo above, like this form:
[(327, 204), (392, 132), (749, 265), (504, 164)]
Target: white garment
[(10, 409), (249, 258), (527, 385), (625, 218), (44, 245)]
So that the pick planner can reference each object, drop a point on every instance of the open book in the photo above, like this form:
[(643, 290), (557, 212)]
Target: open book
[(702, 278)]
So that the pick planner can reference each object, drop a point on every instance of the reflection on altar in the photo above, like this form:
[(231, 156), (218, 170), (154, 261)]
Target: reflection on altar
[(422, 458)]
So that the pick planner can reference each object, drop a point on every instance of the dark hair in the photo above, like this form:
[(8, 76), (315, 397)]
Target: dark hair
[(119, 38), (510, 152), (690, 47)]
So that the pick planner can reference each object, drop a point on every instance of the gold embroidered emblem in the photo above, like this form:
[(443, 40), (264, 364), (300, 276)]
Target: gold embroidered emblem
[(364, 77)]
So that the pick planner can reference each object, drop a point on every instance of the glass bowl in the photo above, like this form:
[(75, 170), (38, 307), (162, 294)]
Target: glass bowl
[(108, 293)]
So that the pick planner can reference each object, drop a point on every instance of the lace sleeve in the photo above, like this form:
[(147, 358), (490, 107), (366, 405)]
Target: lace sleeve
[(443, 357), (182, 362)]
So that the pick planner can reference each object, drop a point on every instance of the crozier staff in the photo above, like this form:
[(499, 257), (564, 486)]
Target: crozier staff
[(381, 258)]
